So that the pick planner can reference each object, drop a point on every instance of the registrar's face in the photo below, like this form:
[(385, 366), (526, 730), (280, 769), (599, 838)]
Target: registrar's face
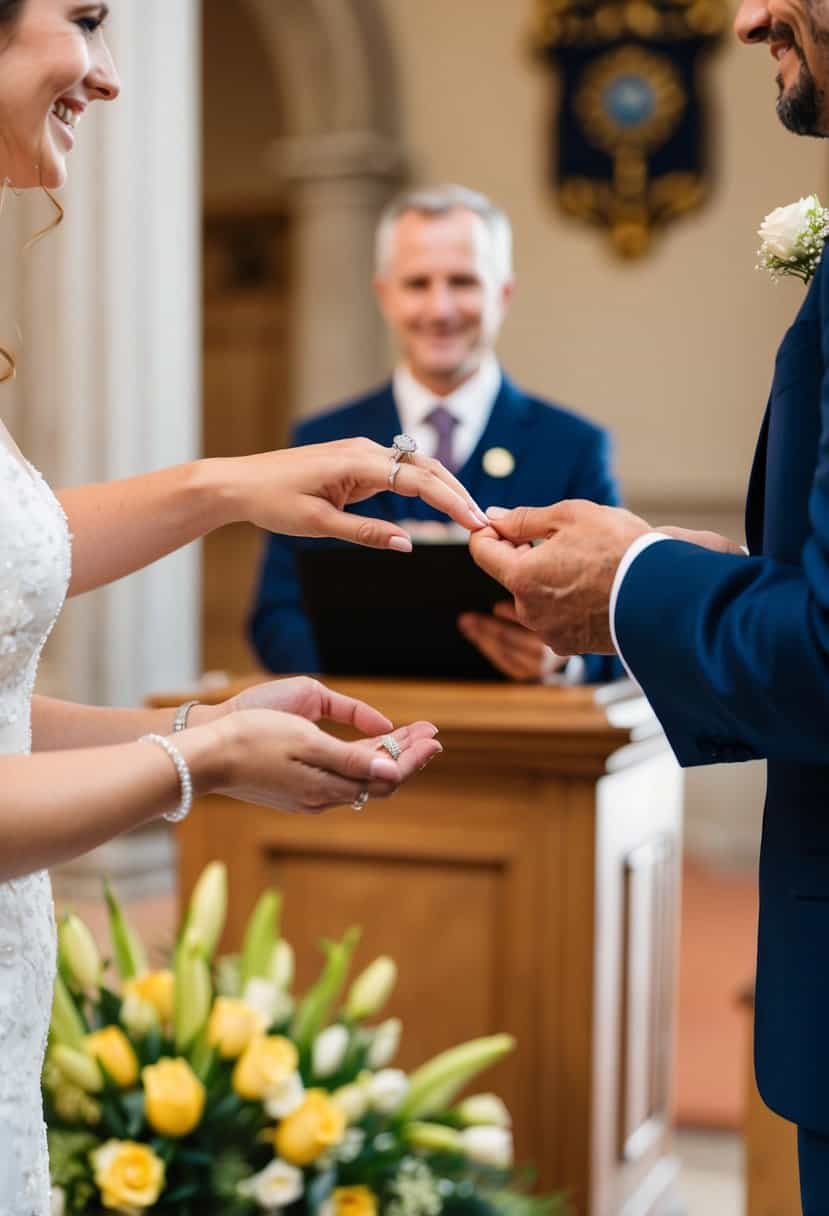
[(54, 62), (796, 32)]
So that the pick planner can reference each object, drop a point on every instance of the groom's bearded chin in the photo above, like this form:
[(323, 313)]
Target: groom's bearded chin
[(803, 108)]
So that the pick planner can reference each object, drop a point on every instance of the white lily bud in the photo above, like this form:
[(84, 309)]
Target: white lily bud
[(79, 952), (386, 1090), (58, 1201), (488, 1146), (328, 1051), (484, 1110), (384, 1044), (281, 965), (352, 1101), (371, 989)]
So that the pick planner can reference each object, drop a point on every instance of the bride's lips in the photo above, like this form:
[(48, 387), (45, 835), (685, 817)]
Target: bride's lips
[(65, 115)]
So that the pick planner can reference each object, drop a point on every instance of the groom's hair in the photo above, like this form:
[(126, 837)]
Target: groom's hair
[(10, 10), (441, 200)]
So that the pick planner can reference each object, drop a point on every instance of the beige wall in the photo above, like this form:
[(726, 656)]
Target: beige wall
[(674, 353)]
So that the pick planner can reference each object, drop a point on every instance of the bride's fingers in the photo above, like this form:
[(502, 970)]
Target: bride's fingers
[(421, 477), (336, 707), (430, 465), (328, 520)]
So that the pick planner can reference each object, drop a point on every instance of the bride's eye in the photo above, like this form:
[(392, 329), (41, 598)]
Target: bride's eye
[(89, 24)]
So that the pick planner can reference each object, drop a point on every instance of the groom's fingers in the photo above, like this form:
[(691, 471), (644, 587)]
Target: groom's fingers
[(496, 557), (526, 524)]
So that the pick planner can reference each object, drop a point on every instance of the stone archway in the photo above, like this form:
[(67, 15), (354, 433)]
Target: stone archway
[(342, 156)]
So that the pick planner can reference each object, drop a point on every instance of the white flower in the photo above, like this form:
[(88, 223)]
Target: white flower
[(345, 1152), (274, 1187), (488, 1146), (281, 966), (384, 1043), (792, 239), (267, 998), (282, 1099), (386, 1090), (58, 1201), (352, 1101), (782, 229), (138, 1016), (329, 1050), (485, 1109)]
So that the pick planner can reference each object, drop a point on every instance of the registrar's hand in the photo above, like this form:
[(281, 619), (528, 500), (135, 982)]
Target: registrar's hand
[(283, 761), (303, 491), (512, 649), (562, 585)]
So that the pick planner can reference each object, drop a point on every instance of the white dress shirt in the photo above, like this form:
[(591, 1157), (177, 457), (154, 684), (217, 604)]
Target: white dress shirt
[(471, 404)]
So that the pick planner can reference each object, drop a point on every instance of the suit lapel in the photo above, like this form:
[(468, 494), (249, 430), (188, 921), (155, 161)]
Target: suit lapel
[(508, 428)]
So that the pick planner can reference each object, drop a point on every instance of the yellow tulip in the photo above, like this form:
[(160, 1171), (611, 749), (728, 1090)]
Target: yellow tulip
[(265, 1064), (315, 1126), (173, 1097), (111, 1048), (354, 1201), (128, 1175), (232, 1025), (157, 988)]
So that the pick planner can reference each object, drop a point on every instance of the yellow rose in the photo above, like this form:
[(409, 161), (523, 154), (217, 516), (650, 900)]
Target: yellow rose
[(128, 1175), (318, 1124), (111, 1048), (232, 1025), (354, 1201), (173, 1097), (266, 1063), (157, 988)]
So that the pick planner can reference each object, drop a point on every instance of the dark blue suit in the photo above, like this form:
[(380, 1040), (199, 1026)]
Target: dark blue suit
[(733, 654), (557, 455)]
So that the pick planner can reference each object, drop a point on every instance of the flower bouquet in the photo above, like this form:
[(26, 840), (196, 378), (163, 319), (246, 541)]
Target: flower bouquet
[(207, 1089)]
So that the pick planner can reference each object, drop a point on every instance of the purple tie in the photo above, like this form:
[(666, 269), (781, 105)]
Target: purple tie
[(444, 424)]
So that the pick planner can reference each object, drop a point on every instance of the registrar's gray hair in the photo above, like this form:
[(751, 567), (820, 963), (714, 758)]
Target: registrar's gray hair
[(441, 200)]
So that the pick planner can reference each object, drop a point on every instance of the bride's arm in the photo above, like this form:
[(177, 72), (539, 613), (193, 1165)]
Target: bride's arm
[(64, 725), (122, 526)]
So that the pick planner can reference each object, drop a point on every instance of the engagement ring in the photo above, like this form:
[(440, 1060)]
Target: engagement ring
[(392, 746), (360, 801), (402, 447)]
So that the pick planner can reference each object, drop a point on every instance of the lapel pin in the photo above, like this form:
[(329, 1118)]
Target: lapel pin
[(498, 462)]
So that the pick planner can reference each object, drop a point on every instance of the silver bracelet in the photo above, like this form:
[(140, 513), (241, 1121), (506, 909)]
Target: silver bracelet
[(185, 780), (180, 720)]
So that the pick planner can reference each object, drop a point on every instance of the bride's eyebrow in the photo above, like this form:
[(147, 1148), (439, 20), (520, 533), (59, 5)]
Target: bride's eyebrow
[(101, 11)]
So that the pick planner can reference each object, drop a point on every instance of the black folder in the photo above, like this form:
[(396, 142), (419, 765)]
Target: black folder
[(389, 614)]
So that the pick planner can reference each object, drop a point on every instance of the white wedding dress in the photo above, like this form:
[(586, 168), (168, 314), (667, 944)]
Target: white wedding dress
[(34, 575)]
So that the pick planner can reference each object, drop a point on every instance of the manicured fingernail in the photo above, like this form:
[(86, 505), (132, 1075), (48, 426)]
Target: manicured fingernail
[(401, 543), (384, 770), (496, 512)]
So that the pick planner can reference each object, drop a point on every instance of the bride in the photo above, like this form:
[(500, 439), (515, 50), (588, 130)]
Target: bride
[(72, 776)]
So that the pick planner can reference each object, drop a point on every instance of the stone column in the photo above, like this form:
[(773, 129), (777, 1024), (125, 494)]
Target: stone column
[(338, 183)]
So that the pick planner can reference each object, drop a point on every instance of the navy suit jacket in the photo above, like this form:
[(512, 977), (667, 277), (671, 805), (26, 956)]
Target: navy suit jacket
[(557, 455), (733, 653)]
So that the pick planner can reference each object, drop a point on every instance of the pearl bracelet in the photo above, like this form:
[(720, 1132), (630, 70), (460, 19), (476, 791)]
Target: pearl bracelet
[(185, 780)]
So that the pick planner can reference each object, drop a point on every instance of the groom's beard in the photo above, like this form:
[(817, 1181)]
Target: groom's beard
[(803, 109)]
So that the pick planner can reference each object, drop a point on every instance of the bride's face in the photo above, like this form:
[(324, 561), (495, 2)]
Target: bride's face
[(54, 62)]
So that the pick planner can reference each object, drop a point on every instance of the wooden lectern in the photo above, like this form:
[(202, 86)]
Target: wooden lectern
[(527, 881)]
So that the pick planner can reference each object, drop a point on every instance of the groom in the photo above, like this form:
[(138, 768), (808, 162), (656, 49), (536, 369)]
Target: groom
[(733, 650)]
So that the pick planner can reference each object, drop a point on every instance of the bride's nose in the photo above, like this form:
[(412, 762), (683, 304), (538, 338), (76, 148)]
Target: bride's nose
[(102, 79)]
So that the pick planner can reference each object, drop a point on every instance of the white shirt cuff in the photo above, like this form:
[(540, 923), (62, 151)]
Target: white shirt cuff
[(631, 553), (571, 673)]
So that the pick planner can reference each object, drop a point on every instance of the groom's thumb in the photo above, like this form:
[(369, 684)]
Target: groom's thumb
[(526, 523)]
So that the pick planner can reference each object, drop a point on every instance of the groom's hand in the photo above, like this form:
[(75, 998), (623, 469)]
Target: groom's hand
[(562, 584)]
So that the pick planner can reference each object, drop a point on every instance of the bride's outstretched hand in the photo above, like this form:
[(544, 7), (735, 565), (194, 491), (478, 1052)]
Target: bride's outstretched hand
[(303, 491), (284, 761), (307, 697)]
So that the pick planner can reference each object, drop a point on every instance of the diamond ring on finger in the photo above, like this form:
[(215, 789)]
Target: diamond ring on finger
[(402, 447)]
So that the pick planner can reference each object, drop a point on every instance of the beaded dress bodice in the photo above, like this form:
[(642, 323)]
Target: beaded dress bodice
[(34, 576)]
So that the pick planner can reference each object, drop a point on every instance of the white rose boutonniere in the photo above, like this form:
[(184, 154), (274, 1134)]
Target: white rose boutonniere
[(792, 239)]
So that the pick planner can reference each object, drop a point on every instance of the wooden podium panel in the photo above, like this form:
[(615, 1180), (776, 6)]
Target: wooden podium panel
[(528, 881)]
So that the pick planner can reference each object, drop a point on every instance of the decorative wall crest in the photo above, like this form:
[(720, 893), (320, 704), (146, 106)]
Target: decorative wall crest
[(630, 131)]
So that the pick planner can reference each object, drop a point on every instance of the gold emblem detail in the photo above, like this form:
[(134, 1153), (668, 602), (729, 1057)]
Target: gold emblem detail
[(498, 462)]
